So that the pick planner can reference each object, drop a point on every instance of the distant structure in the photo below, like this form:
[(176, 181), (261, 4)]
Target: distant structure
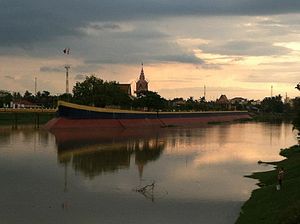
[(126, 88), (271, 91), (238, 100), (66, 52), (142, 83), (223, 100), (287, 100), (67, 67), (35, 85), (23, 104)]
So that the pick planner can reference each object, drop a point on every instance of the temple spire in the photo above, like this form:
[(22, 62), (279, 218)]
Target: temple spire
[(142, 75), (142, 83)]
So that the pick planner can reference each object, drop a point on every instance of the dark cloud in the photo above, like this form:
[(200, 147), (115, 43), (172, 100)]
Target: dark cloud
[(31, 21), (181, 58), (139, 44), (79, 77), (9, 77), (105, 26), (77, 69), (51, 69), (86, 68), (245, 48)]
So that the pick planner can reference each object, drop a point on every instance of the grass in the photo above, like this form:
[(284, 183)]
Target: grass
[(272, 117), (270, 206), (7, 118)]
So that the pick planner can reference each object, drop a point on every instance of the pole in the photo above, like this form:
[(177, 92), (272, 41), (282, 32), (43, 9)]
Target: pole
[(35, 85), (67, 67), (272, 91)]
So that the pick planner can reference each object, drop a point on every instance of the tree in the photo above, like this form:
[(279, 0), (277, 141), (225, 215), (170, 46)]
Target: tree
[(17, 96), (5, 98), (272, 104), (296, 109), (65, 97), (28, 96), (151, 100), (96, 92)]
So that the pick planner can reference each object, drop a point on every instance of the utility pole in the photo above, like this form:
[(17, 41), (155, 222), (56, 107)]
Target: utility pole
[(66, 52), (271, 91), (67, 67), (204, 94), (35, 85)]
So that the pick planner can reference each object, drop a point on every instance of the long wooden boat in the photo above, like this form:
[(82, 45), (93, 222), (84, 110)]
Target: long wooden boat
[(72, 116)]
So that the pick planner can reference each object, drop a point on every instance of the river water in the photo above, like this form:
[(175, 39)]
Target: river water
[(93, 176)]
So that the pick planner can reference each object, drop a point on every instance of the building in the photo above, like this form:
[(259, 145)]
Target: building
[(239, 100), (223, 100), (177, 102), (141, 84), (126, 88), (23, 104)]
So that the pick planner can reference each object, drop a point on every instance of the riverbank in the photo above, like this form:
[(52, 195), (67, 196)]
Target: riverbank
[(268, 205), (25, 117), (273, 117)]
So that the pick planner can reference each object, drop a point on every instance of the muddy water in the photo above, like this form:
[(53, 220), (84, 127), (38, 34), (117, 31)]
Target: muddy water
[(92, 176)]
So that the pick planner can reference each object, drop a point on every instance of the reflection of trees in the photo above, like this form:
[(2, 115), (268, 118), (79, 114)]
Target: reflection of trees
[(95, 163), (26, 134), (5, 137), (148, 151), (99, 158)]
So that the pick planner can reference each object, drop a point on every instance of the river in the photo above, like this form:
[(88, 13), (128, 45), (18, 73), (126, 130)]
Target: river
[(93, 176)]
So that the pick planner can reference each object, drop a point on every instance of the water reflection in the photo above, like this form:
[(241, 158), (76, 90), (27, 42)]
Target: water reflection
[(26, 136), (95, 152), (198, 173)]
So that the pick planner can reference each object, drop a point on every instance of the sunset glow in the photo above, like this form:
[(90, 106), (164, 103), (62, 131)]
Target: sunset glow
[(237, 51)]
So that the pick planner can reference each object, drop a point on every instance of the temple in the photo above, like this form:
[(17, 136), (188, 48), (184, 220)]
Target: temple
[(141, 84)]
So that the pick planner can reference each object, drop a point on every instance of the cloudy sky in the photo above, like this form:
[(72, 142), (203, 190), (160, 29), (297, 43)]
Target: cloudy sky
[(233, 47)]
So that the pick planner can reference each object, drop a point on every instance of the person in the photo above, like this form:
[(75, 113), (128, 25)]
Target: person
[(280, 176)]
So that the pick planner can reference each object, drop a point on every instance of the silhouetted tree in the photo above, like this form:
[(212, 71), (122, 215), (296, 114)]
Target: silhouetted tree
[(5, 98), (296, 110), (151, 100), (96, 92), (272, 104), (298, 86), (17, 96), (28, 96)]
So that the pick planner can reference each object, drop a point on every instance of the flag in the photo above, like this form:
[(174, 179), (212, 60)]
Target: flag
[(66, 50)]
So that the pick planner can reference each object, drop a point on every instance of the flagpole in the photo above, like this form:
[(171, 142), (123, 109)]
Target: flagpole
[(67, 67), (66, 51)]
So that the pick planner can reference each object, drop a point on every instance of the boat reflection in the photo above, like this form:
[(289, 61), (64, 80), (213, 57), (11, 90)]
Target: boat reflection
[(96, 152)]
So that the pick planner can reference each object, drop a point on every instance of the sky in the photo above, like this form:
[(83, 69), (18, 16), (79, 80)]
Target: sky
[(239, 48)]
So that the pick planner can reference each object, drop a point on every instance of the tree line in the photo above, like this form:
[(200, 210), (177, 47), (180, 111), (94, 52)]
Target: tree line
[(94, 91)]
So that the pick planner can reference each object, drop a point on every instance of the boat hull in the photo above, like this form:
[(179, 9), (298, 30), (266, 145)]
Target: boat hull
[(78, 116)]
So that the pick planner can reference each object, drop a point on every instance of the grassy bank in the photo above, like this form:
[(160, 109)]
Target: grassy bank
[(268, 205), (273, 117), (8, 118)]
